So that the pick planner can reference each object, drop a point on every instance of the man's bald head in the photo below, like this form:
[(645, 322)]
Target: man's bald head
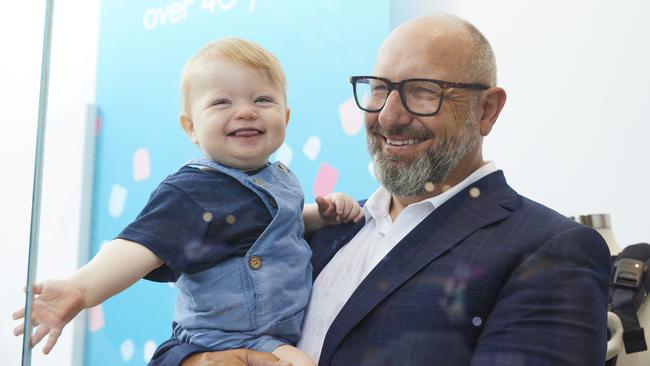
[(452, 43)]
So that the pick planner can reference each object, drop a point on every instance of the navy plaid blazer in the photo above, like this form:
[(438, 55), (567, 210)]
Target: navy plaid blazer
[(495, 279)]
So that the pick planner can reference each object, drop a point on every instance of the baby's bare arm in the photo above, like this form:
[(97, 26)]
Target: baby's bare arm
[(117, 266)]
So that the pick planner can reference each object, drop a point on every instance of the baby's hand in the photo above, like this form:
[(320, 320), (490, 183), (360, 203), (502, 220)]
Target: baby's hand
[(337, 208), (56, 303)]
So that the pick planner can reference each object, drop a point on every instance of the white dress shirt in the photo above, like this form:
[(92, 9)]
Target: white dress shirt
[(352, 263)]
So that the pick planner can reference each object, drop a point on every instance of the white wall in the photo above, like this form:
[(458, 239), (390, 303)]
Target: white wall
[(71, 88), (573, 135), (19, 103)]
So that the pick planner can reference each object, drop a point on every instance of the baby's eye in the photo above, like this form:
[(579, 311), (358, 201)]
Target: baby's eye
[(264, 100), (221, 101)]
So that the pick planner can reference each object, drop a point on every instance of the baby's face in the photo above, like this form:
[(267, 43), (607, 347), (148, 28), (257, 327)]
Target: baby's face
[(238, 117)]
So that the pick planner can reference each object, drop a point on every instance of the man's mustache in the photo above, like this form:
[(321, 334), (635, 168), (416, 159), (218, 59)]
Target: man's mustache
[(403, 130)]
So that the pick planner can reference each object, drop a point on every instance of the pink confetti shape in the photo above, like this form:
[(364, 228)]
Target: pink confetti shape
[(351, 117), (95, 318), (141, 165), (325, 180)]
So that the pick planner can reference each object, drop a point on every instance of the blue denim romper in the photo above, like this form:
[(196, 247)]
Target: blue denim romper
[(256, 301)]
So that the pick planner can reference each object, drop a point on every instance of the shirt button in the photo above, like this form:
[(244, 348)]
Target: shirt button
[(272, 202), (255, 262), (283, 167), (259, 182)]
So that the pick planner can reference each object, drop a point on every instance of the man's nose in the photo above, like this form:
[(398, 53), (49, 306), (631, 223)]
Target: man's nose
[(393, 113)]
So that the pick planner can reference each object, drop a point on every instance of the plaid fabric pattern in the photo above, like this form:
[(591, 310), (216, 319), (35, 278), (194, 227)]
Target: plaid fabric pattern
[(487, 279)]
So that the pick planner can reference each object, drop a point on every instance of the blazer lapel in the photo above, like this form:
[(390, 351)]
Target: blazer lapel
[(441, 230)]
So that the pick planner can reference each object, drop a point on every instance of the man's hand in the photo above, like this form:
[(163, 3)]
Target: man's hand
[(337, 208), (55, 304), (234, 357)]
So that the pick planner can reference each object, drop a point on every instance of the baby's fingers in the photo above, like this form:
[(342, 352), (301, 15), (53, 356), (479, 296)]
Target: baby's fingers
[(19, 329), (39, 334), (350, 210), (348, 206), (342, 205), (324, 205), (37, 288), (357, 213), (51, 340), (19, 314)]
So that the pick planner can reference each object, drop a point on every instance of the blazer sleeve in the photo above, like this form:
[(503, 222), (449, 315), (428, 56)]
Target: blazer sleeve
[(552, 309)]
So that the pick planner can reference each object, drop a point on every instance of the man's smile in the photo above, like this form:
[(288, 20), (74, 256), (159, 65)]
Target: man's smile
[(399, 142)]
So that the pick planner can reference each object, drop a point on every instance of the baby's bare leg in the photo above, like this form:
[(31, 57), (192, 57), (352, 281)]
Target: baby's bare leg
[(293, 355)]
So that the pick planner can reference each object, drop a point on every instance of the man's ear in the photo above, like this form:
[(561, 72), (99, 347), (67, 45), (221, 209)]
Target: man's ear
[(493, 101), (286, 121), (188, 126)]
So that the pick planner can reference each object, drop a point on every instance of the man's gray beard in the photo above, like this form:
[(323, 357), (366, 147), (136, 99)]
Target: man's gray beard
[(404, 177)]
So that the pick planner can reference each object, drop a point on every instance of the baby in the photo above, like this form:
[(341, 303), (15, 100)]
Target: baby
[(227, 228)]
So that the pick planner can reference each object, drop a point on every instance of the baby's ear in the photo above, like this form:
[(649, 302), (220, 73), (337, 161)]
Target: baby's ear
[(188, 126), (286, 120)]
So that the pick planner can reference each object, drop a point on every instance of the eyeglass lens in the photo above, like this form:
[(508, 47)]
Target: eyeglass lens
[(419, 96)]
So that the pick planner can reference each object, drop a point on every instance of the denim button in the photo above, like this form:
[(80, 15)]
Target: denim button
[(255, 262), (283, 167), (272, 202), (258, 182)]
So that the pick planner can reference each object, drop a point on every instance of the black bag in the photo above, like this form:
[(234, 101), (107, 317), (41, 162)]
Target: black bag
[(629, 287)]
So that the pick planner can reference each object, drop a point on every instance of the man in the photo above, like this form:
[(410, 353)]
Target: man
[(451, 266)]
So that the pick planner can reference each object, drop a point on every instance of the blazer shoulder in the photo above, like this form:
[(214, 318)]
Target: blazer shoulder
[(548, 225)]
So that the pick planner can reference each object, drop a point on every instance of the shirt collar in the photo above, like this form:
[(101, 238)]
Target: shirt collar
[(377, 206)]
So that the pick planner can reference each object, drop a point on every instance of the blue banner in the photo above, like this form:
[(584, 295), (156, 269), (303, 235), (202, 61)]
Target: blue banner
[(143, 46)]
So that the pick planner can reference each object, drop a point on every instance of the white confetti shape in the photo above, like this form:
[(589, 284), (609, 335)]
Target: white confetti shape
[(126, 349), (312, 148), (351, 117), (149, 349), (284, 154), (116, 200), (141, 165)]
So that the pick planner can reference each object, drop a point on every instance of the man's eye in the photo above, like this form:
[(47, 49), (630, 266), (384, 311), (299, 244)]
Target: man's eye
[(379, 91), (423, 93)]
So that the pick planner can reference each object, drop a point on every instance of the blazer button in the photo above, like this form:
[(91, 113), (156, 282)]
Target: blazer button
[(255, 262), (258, 182), (273, 202)]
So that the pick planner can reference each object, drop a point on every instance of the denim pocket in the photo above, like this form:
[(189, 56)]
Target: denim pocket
[(221, 296)]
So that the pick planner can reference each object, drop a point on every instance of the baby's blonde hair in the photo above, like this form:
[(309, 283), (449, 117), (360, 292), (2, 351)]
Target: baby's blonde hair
[(238, 51)]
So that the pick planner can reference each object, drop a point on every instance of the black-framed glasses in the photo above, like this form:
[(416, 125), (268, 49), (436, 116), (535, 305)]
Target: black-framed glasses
[(422, 97)]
